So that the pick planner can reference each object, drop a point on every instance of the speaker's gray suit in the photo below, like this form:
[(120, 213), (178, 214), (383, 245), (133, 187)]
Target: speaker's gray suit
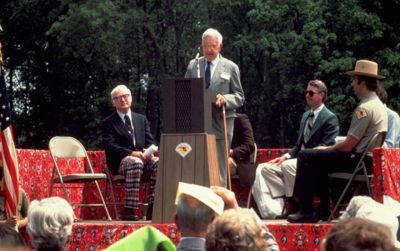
[(225, 81), (274, 181)]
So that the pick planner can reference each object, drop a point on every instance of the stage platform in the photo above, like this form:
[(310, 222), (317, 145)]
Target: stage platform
[(96, 235), (93, 232)]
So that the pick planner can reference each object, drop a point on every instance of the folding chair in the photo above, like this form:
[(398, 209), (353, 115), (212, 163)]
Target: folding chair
[(376, 141), (113, 179), (251, 187), (68, 147)]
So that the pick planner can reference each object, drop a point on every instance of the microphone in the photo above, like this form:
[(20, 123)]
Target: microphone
[(197, 64)]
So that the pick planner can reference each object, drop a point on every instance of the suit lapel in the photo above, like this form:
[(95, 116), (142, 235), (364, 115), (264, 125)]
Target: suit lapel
[(119, 124), (202, 65), (218, 70), (136, 128), (302, 125)]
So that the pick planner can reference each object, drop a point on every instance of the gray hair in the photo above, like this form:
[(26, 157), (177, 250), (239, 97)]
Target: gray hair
[(214, 33), (50, 222), (192, 214), (120, 88)]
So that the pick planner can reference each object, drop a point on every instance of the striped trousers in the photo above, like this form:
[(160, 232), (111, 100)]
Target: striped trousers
[(133, 169)]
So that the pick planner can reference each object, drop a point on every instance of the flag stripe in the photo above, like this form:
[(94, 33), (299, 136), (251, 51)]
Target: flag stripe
[(10, 170), (8, 152)]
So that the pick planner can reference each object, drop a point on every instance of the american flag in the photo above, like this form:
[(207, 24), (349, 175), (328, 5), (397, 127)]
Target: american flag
[(8, 153)]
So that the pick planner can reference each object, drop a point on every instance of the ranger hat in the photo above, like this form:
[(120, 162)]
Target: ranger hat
[(366, 68)]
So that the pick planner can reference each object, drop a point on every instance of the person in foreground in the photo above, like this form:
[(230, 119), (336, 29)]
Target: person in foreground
[(314, 165), (125, 135), (237, 229), (222, 76), (20, 220), (275, 179), (11, 240), (358, 234), (50, 223), (198, 207), (367, 208)]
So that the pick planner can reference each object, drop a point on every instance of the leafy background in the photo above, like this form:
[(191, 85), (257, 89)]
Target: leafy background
[(63, 57)]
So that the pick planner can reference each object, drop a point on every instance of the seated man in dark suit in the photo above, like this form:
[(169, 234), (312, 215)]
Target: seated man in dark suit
[(125, 135), (241, 154)]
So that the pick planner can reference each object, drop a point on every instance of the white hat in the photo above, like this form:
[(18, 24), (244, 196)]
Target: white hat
[(202, 194)]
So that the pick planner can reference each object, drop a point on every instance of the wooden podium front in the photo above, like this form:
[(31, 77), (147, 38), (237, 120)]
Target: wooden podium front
[(198, 166)]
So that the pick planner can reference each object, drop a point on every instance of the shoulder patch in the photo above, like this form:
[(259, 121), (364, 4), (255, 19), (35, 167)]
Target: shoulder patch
[(361, 113)]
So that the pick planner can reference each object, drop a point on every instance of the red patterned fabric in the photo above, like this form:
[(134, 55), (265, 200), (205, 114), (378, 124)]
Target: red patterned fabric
[(386, 169), (264, 155), (96, 236)]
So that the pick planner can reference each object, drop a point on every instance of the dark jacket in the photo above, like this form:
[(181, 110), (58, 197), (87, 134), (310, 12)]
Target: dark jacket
[(117, 141), (323, 132)]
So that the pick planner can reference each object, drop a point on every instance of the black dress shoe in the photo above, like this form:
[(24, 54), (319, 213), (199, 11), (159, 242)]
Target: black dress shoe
[(291, 207), (323, 214), (149, 212), (303, 217), (129, 215)]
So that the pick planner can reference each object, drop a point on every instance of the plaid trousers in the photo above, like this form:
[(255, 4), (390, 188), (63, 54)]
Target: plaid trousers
[(133, 169)]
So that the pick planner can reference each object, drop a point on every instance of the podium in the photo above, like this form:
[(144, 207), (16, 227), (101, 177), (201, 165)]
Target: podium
[(187, 149)]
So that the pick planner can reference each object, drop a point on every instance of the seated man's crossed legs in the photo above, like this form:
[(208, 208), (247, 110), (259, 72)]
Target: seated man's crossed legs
[(133, 169), (272, 183)]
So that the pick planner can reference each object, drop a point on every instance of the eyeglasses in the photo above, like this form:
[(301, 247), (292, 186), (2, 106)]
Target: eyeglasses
[(311, 93), (209, 46), (121, 97)]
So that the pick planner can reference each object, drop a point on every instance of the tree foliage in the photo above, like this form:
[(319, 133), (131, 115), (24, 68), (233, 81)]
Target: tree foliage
[(62, 58)]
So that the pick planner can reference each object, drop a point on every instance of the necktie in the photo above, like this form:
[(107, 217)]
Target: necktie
[(128, 124), (310, 123), (208, 74)]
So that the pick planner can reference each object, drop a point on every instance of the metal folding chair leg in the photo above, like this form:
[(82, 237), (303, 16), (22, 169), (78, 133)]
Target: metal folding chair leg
[(109, 185)]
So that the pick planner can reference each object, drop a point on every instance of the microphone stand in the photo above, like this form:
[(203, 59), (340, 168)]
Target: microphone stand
[(197, 65)]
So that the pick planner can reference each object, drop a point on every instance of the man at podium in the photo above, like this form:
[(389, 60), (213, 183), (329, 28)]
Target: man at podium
[(222, 76)]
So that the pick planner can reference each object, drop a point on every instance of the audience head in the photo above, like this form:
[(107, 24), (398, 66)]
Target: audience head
[(196, 208), (358, 234), (50, 222), (316, 93), (236, 229), (211, 42), (367, 208), (10, 239), (121, 98), (192, 216)]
